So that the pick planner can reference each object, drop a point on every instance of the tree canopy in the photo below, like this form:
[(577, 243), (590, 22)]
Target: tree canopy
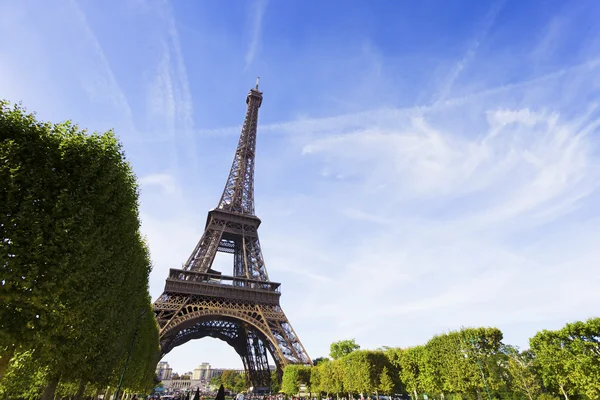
[(342, 348), (233, 380), (465, 364), (74, 286)]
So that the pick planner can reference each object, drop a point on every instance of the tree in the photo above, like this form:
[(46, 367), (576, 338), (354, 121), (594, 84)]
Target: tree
[(481, 350), (293, 377), (386, 384), (331, 377), (553, 360), (464, 362), (23, 377), (215, 381), (569, 358), (229, 379), (520, 368), (69, 220), (290, 383), (275, 383), (342, 348), (319, 360), (241, 383), (362, 370), (315, 380), (434, 368), (582, 340), (411, 363)]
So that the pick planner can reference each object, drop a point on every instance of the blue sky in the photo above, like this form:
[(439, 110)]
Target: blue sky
[(421, 166)]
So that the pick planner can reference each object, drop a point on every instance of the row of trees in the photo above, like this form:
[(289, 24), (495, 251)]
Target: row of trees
[(74, 298), (237, 382), (230, 380), (471, 363)]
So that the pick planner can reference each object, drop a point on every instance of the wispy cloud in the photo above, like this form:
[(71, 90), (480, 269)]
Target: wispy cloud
[(102, 85), (170, 109), (388, 224), (443, 203), (169, 92), (256, 15), (387, 116), (458, 68), (166, 182)]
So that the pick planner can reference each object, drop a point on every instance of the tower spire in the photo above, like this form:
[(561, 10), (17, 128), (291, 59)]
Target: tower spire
[(238, 195)]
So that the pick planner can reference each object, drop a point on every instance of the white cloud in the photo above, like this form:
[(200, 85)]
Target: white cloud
[(471, 52), (99, 81), (257, 11), (389, 224), (165, 181), (446, 214)]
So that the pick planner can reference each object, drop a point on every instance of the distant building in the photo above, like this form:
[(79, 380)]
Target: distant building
[(200, 378), (202, 372), (205, 373), (163, 371)]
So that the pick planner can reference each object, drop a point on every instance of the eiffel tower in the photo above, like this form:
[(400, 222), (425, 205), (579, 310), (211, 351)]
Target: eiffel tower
[(243, 309)]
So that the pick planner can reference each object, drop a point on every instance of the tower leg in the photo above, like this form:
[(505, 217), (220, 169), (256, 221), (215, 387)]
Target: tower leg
[(258, 363)]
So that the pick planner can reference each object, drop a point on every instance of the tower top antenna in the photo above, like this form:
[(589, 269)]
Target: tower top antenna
[(257, 80)]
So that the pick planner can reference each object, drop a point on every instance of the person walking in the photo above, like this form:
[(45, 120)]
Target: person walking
[(220, 393)]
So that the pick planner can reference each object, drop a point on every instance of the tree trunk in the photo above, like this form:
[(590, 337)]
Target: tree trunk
[(416, 395), (80, 390), (50, 389), (107, 394), (562, 389), (5, 360)]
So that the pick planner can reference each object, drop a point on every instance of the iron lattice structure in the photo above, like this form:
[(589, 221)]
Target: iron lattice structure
[(243, 309)]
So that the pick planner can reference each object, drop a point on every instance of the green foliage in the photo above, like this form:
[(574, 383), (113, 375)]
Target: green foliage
[(216, 381), (410, 365), (547, 396), (582, 340), (342, 348), (452, 362), (75, 268), (290, 383), (457, 366), (523, 377), (569, 358), (293, 377), (233, 380), (315, 380), (362, 370), (331, 377), (275, 382), (241, 383), (319, 360), (228, 379), (23, 377), (386, 383)]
